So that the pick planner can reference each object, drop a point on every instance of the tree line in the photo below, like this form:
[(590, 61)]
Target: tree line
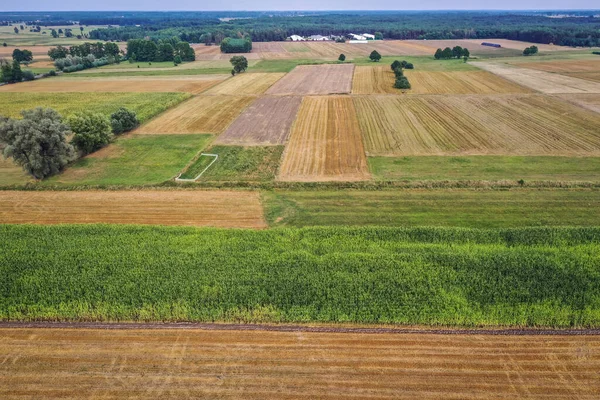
[(449, 53), (171, 49)]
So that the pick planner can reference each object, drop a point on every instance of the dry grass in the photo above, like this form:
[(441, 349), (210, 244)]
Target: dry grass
[(11, 173), (247, 84), (266, 122), (370, 80), (315, 79), (194, 85), (201, 114), (156, 207), (453, 125), (325, 143), (460, 82), (187, 363), (542, 81)]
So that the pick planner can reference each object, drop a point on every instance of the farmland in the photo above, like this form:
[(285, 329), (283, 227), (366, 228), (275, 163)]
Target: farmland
[(267, 121), (589, 101), (246, 84), (453, 125), (325, 143), (370, 80), (315, 79), (202, 114), (261, 364), (463, 82), (193, 85), (198, 208), (145, 105)]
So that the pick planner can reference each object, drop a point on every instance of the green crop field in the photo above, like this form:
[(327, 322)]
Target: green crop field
[(145, 105), (236, 163), (133, 160), (485, 168), (457, 277), (434, 207)]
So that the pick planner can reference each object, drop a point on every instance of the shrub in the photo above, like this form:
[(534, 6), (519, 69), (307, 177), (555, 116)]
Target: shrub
[(28, 76), (409, 66), (123, 120), (91, 131), (395, 65), (342, 57), (402, 83)]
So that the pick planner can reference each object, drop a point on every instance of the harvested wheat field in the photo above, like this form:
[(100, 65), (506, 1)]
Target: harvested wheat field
[(370, 80), (518, 45), (325, 143), (247, 84), (153, 207), (476, 125), (226, 364), (6, 52), (267, 121), (200, 114), (474, 46), (315, 79), (591, 101), (460, 82), (188, 84), (582, 69), (545, 82)]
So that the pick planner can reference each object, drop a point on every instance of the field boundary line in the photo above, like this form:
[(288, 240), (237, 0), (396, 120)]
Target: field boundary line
[(305, 328), (216, 157)]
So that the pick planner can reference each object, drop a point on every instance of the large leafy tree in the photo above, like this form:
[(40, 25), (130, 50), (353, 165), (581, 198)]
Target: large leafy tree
[(91, 131), (375, 56), (240, 63), (38, 142)]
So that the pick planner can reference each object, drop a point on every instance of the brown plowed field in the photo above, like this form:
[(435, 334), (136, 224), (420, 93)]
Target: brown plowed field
[(460, 82), (325, 143), (194, 85), (155, 207), (315, 79), (247, 84), (545, 82), (177, 364), (370, 80), (501, 125), (201, 114), (267, 121)]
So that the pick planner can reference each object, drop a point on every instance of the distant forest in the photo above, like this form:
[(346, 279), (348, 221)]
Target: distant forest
[(582, 28)]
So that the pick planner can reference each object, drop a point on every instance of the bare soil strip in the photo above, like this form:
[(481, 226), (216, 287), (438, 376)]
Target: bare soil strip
[(455, 125), (267, 121), (315, 79), (65, 363), (542, 81), (192, 85), (325, 143), (201, 114), (153, 207)]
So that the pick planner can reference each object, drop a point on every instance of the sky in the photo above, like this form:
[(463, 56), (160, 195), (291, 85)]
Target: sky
[(259, 5)]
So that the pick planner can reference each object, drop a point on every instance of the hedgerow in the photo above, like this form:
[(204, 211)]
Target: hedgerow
[(437, 276)]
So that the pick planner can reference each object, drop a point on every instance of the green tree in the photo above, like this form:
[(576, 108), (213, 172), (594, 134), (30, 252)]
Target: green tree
[(402, 83), (240, 63), (5, 71), (54, 33), (4, 44), (177, 60), (395, 65), (447, 53), (438, 54), (22, 56), (165, 51), (17, 74), (409, 66), (378, 36), (37, 142), (342, 57), (58, 52), (375, 56), (466, 53), (457, 52), (16, 30), (91, 131), (123, 120)]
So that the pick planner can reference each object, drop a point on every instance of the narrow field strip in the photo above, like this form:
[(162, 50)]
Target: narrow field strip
[(460, 82), (156, 207), (476, 125), (193, 85), (325, 143), (48, 363), (267, 121), (369, 80), (246, 84), (201, 114), (586, 100), (315, 79)]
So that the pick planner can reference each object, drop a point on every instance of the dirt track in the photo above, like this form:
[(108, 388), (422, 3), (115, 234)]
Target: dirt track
[(188, 363)]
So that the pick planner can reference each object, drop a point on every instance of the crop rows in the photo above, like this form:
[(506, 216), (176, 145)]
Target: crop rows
[(247, 84)]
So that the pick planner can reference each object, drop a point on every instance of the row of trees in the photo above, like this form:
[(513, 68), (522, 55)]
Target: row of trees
[(75, 63), (98, 50), (232, 45), (449, 53), (38, 142), (171, 49), (12, 73), (401, 80)]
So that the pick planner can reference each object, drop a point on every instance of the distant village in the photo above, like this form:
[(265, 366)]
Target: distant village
[(351, 38)]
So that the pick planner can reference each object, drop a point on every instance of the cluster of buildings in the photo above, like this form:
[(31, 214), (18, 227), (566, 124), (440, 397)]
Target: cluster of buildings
[(353, 38)]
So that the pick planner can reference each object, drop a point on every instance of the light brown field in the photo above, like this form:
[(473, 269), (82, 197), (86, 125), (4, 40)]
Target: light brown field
[(586, 100), (583, 69), (204, 52), (189, 84), (201, 114), (518, 45), (460, 82), (42, 64), (315, 79), (187, 363), (325, 143), (153, 207), (474, 46), (454, 125), (370, 80), (267, 121), (247, 84), (37, 51), (545, 82)]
